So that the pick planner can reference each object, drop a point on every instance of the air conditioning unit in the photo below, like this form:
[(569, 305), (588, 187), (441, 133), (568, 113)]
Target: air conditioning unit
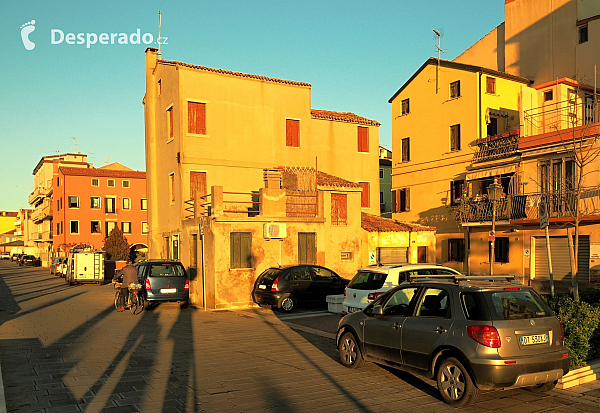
[(274, 231)]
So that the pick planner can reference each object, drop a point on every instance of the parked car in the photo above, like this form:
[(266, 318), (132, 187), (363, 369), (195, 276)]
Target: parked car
[(56, 266), (469, 334), (30, 260), (371, 282), (285, 287), (5, 255), (164, 281), (16, 257)]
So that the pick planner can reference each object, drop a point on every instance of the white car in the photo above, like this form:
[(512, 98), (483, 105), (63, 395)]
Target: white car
[(371, 282), (4, 255)]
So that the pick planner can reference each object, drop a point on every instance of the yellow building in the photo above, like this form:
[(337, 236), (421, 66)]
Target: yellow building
[(213, 138), (7, 221)]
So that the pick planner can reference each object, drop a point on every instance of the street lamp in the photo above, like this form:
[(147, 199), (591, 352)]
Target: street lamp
[(494, 195)]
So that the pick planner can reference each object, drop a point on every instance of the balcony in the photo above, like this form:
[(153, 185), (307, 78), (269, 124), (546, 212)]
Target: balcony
[(553, 117), (36, 215), (46, 212), (38, 193), (498, 146)]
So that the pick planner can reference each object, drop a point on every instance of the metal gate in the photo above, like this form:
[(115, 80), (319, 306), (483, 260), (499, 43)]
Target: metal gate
[(392, 255), (561, 261)]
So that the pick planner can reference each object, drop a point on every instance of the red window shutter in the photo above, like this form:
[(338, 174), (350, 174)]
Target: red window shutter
[(171, 123), (339, 214), (197, 118), (292, 132), (363, 139), (197, 184), (407, 199), (364, 196)]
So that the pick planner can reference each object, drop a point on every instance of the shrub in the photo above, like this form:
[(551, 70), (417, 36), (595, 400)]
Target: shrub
[(579, 320)]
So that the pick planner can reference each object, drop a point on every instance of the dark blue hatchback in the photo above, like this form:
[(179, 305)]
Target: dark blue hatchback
[(164, 281)]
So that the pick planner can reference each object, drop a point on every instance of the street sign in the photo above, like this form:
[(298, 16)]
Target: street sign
[(543, 212), (492, 236)]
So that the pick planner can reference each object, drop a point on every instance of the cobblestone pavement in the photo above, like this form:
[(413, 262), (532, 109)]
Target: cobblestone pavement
[(65, 349)]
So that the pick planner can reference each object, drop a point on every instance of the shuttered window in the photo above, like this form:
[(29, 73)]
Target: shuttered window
[(455, 138), (307, 248), (456, 191), (197, 118), (364, 196), (405, 106), (292, 132), (110, 205), (363, 139), (392, 255), (456, 249), (401, 200), (240, 249), (339, 213), (455, 89), (197, 184), (406, 150), (490, 85), (171, 123)]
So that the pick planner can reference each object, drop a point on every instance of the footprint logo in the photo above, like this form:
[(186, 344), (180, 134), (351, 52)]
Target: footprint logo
[(26, 29)]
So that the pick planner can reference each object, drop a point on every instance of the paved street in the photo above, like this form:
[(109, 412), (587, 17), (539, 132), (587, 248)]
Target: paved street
[(65, 349)]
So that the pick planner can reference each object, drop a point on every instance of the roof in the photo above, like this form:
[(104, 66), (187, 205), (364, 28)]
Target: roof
[(11, 232), (460, 66), (374, 223), (116, 166), (99, 172), (236, 74), (324, 179), (9, 214), (342, 117)]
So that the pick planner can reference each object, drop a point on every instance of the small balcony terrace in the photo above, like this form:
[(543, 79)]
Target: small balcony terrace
[(497, 146), (557, 116)]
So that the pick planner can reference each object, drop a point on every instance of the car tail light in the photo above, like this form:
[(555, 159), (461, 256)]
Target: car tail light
[(275, 286), (147, 284), (512, 289), (187, 284), (486, 335), (345, 293), (373, 296)]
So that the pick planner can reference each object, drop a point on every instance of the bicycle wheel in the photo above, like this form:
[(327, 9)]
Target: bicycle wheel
[(117, 300), (140, 298), (133, 302)]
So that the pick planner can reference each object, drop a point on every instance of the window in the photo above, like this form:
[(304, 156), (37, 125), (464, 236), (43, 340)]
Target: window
[(456, 191), (307, 248), (405, 106), (126, 203), (74, 227), (455, 89), (292, 133), (364, 196), (126, 227), (380, 173), (548, 95), (95, 227), (172, 187), (73, 201), (95, 202), (406, 150), (144, 204), (401, 200), (125, 184), (363, 139), (110, 205), (240, 249), (159, 87), (58, 181), (170, 124), (381, 197), (144, 227), (490, 85), (399, 302), (197, 184), (339, 214), (196, 118), (110, 183), (455, 138), (95, 182), (492, 127), (456, 249), (583, 34), (434, 303), (110, 225), (501, 249)]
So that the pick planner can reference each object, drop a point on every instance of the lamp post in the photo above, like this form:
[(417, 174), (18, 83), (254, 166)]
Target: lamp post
[(494, 195)]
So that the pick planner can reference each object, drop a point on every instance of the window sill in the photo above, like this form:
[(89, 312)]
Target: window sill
[(196, 135)]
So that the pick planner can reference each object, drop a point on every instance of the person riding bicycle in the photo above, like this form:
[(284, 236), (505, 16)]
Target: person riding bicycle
[(129, 274)]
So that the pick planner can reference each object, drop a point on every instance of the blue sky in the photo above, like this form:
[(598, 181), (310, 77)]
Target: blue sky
[(356, 55)]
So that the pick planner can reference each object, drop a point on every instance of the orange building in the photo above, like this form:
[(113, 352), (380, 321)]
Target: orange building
[(89, 202)]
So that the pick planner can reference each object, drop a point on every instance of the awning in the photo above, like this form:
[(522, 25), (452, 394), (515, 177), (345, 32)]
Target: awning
[(486, 173)]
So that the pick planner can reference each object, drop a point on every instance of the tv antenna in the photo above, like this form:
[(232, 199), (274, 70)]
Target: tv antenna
[(159, 38), (438, 33), (107, 161), (74, 144)]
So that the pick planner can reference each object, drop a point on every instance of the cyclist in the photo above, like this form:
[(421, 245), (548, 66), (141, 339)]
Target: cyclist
[(129, 273)]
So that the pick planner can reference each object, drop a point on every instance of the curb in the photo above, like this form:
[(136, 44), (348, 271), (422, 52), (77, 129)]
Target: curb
[(579, 376), (2, 399)]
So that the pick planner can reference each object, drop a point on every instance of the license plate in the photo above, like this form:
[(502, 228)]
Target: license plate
[(353, 309), (168, 290), (534, 339), (262, 287)]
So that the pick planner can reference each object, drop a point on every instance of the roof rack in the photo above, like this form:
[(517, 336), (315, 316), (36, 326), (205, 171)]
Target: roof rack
[(463, 280)]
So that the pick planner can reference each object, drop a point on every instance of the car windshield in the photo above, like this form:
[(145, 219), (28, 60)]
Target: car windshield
[(270, 275), (366, 280), (166, 270)]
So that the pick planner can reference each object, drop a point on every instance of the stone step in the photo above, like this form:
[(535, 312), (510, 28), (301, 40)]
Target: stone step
[(581, 375)]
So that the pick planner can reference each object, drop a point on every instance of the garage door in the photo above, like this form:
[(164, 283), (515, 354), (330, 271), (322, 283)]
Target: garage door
[(392, 255), (561, 261)]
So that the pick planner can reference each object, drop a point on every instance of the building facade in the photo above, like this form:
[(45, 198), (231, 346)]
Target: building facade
[(385, 182)]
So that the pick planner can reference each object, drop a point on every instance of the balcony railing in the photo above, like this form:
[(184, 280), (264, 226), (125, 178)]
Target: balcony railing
[(560, 204), (560, 115), (38, 193), (498, 146)]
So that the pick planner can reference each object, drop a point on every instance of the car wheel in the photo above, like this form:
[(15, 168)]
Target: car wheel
[(543, 388), (286, 303), (146, 305), (455, 384), (184, 304), (349, 351)]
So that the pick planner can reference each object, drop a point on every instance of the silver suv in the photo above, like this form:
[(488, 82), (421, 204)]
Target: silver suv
[(469, 334), (374, 281)]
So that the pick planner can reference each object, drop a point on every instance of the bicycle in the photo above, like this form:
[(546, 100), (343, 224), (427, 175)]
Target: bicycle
[(134, 300)]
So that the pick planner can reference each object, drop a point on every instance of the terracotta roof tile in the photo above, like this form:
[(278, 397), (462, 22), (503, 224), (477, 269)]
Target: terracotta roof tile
[(342, 117), (325, 179), (231, 73), (102, 172), (8, 214), (374, 223)]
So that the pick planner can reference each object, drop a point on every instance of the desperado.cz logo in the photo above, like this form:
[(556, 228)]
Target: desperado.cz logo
[(57, 36)]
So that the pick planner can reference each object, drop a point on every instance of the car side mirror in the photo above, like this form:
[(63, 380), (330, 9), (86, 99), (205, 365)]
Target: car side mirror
[(377, 310)]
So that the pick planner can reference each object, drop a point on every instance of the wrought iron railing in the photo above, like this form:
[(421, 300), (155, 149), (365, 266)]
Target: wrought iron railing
[(498, 146)]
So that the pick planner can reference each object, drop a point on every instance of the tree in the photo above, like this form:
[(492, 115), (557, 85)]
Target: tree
[(116, 246)]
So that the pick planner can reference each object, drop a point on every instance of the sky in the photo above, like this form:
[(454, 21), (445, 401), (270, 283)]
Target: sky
[(57, 97)]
